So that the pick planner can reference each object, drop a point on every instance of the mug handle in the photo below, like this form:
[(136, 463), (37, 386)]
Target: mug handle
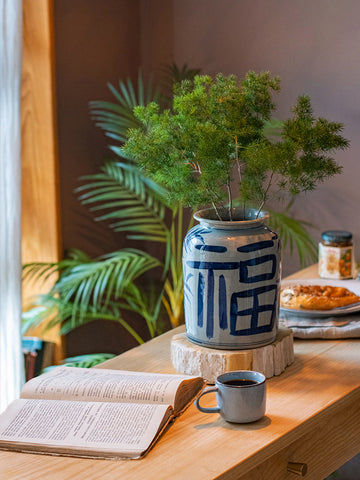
[(203, 409)]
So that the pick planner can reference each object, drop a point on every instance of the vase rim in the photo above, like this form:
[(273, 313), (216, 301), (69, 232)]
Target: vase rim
[(208, 216)]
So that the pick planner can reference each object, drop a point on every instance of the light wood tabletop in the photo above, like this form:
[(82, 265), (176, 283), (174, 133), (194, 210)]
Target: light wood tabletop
[(312, 418)]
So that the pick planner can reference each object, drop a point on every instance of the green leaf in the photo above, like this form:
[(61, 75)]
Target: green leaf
[(84, 361), (99, 275), (293, 233), (117, 118), (126, 195)]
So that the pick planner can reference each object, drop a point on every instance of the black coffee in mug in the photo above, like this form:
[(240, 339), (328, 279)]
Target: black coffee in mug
[(234, 403), (240, 382)]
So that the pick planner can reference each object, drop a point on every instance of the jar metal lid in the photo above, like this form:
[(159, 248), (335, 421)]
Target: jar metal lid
[(336, 236)]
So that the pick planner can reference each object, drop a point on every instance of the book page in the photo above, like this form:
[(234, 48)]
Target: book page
[(84, 428), (104, 385)]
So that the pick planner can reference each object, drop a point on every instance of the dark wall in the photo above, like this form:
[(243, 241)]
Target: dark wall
[(314, 47), (96, 42), (99, 42)]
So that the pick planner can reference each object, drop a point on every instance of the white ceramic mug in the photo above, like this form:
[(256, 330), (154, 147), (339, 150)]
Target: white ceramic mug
[(241, 396)]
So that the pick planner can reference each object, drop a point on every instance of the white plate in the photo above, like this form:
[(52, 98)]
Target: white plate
[(352, 285)]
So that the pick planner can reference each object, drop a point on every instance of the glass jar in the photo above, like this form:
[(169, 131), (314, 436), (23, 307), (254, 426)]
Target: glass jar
[(336, 255)]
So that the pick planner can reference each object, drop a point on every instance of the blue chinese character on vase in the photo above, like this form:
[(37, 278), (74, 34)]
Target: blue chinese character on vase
[(232, 304)]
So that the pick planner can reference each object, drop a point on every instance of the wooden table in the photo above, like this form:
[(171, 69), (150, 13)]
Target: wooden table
[(313, 417)]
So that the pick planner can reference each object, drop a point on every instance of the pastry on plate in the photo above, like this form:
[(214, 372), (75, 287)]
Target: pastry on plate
[(316, 297)]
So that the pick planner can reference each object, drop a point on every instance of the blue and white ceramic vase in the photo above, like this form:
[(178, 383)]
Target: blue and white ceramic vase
[(231, 281)]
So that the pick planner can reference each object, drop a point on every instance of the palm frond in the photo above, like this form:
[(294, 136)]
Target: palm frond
[(117, 118), (48, 311), (273, 129), (88, 360), (42, 271), (174, 74), (108, 276), (77, 298), (137, 203), (39, 271), (94, 283), (38, 313), (294, 233)]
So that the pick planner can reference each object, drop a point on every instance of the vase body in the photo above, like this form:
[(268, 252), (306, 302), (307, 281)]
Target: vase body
[(231, 282)]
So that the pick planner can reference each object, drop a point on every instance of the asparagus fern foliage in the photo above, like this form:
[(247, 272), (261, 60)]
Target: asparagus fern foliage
[(215, 135)]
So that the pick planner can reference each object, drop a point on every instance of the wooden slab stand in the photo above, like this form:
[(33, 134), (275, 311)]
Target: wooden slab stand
[(192, 359)]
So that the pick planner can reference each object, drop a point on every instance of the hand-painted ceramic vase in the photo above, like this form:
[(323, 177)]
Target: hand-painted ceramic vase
[(231, 281)]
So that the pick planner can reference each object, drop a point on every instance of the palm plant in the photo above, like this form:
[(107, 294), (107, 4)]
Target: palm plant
[(139, 223), (83, 361), (87, 289)]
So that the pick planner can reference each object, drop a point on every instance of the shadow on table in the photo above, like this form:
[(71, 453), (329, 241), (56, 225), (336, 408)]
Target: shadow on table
[(264, 422)]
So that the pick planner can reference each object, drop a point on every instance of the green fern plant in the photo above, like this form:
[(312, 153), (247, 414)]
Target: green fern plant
[(214, 140)]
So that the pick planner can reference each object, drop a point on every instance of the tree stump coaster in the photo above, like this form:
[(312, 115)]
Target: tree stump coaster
[(209, 363)]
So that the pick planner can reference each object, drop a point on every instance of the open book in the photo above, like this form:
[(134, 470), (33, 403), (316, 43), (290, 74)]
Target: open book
[(95, 412)]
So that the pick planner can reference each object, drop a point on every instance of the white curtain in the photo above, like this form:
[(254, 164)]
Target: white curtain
[(11, 361)]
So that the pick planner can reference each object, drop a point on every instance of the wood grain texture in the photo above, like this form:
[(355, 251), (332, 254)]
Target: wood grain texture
[(322, 449), (209, 363), (40, 196), (311, 417), (322, 384)]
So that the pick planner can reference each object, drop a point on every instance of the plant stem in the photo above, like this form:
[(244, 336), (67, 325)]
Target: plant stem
[(173, 297), (230, 200), (193, 164), (238, 164), (179, 236), (265, 195), (216, 211), (236, 148), (237, 159)]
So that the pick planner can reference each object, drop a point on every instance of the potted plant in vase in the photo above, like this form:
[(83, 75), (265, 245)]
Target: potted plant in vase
[(215, 140)]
